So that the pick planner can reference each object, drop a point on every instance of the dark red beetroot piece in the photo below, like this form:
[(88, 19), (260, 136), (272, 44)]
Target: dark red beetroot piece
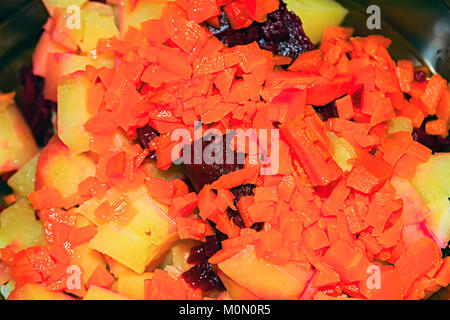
[(435, 143), (202, 276), (328, 111), (238, 192), (36, 110), (145, 136), (197, 254), (282, 33), (206, 173), (204, 251), (420, 76)]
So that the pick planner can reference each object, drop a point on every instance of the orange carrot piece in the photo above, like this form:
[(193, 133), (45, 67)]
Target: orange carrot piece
[(368, 172), (261, 211), (443, 108), (286, 187), (39, 258), (218, 113), (281, 60), (60, 254), (319, 165), (100, 277), (325, 275), (443, 275), (321, 94), (208, 65), (412, 111), (383, 111), (315, 237), (183, 205), (266, 194), (354, 221), (104, 211), (386, 80), (226, 225), (406, 166), (223, 255), (81, 235), (350, 263), (420, 258), (395, 145), (392, 236), (202, 10), (224, 79), (336, 199), (390, 285), (242, 205), (405, 74), (270, 247), (92, 187), (236, 178), (370, 242), (421, 288), (247, 236), (94, 98), (180, 188), (434, 91), (154, 31), (308, 61), (161, 190), (239, 14), (162, 286), (345, 107), (46, 198), (437, 127), (115, 166), (380, 209), (225, 200), (264, 7), (10, 199), (206, 203), (372, 100), (419, 151), (191, 228), (182, 32)]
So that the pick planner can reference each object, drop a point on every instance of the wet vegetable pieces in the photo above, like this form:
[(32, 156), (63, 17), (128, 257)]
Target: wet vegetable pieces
[(357, 209)]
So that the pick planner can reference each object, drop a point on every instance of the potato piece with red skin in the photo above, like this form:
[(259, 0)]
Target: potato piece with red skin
[(45, 47), (61, 169), (264, 279), (17, 144), (235, 291), (132, 285), (34, 291), (52, 4), (99, 293), (133, 14)]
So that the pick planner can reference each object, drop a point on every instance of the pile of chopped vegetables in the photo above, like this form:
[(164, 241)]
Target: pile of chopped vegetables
[(344, 200)]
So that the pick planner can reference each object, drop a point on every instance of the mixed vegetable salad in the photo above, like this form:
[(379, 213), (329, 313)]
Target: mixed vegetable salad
[(338, 189)]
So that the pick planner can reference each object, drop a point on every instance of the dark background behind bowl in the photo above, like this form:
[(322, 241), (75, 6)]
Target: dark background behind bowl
[(419, 29)]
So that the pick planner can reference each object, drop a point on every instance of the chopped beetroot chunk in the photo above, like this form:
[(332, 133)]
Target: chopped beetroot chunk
[(202, 276), (282, 33), (36, 110)]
